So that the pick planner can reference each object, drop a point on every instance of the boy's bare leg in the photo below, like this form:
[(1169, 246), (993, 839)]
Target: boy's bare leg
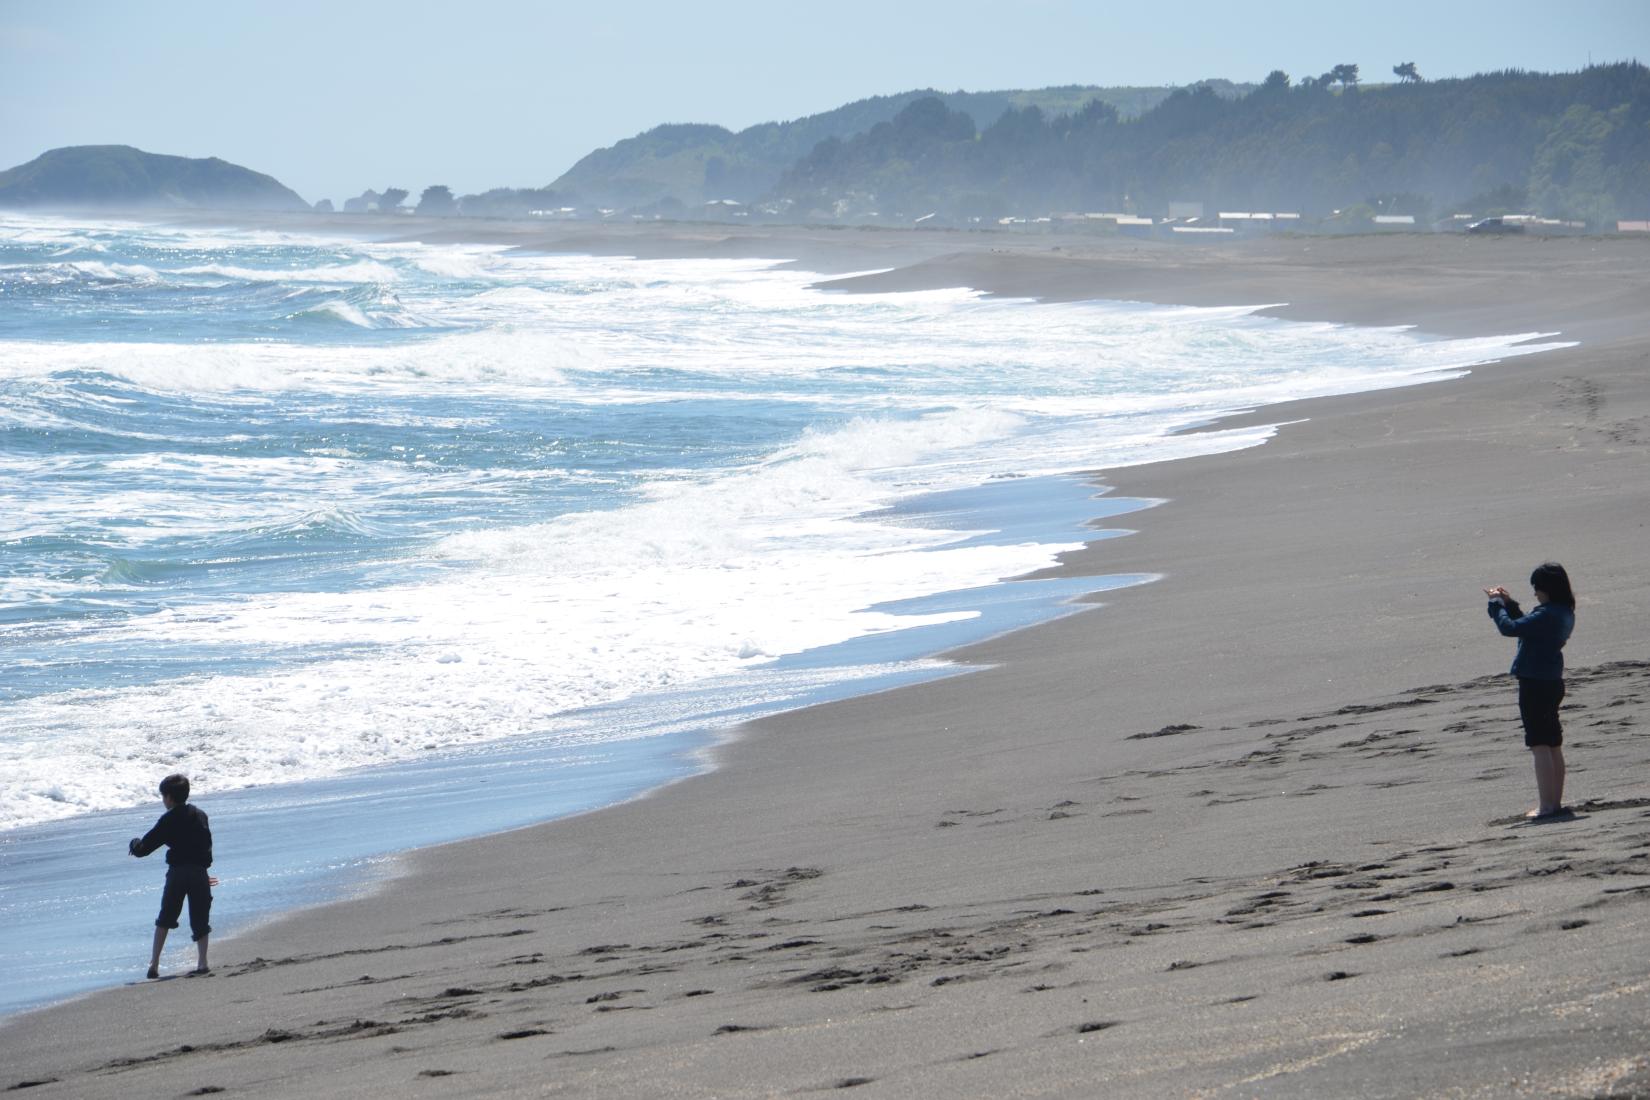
[(200, 954), (1558, 776), (154, 956)]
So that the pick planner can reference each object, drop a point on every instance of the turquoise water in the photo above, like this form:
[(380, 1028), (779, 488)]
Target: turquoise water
[(332, 522)]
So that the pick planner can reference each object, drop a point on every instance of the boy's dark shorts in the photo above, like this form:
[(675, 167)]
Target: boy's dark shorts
[(1538, 702), (186, 882)]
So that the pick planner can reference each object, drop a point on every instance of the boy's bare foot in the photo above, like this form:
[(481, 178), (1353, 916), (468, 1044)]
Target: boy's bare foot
[(200, 970), (154, 972)]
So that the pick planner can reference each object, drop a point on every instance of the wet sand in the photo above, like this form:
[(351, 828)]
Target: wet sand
[(1252, 829)]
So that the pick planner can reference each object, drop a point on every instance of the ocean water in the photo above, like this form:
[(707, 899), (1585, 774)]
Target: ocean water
[(377, 527)]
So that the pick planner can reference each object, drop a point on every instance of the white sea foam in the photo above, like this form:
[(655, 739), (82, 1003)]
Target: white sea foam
[(458, 262), (81, 271), (153, 497), (28, 227), (341, 310), (382, 314), (543, 628), (361, 271)]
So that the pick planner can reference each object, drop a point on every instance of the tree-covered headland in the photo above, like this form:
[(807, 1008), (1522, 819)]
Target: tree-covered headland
[(121, 177), (1571, 145)]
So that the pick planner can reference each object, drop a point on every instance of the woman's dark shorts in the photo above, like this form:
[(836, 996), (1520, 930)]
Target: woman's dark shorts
[(1538, 706), (191, 883)]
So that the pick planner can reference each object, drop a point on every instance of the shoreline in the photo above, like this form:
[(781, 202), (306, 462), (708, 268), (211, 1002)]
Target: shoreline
[(265, 822), (1373, 540)]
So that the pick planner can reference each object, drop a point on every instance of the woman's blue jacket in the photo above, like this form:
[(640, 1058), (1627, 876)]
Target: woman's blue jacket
[(1541, 636)]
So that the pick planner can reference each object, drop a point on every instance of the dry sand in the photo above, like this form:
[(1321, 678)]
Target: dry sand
[(1252, 829)]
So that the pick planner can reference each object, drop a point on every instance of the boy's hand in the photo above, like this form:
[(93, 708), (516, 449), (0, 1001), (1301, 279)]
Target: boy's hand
[(132, 846)]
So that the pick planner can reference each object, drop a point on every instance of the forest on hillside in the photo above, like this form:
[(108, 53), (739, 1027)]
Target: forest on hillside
[(1574, 145), (693, 163)]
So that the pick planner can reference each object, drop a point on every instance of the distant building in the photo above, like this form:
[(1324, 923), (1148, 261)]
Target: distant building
[(722, 209), (1105, 221), (1633, 227), (1254, 220), (1534, 223)]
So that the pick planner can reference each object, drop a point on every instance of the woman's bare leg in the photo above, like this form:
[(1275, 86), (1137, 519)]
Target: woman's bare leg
[(1547, 779), (1558, 771)]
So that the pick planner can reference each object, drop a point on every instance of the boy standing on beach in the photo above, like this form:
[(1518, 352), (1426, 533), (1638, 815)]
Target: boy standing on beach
[(188, 839)]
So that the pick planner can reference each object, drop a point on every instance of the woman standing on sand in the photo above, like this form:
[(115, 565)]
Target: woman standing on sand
[(1539, 667)]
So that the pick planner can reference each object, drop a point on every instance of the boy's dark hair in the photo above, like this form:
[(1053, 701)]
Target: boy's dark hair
[(175, 787), (1550, 578)]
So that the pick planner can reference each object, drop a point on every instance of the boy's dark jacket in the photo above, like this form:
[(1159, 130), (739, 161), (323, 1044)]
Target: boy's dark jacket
[(1541, 636), (184, 831)]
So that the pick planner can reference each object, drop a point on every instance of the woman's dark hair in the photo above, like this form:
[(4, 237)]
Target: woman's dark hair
[(175, 787), (1549, 577)]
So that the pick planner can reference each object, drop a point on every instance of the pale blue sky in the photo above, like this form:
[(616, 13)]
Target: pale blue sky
[(334, 97)]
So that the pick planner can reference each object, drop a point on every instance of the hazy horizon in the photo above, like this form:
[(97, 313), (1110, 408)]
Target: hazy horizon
[(332, 101)]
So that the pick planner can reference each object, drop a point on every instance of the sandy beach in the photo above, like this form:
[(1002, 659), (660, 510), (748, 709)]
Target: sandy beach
[(1254, 829)]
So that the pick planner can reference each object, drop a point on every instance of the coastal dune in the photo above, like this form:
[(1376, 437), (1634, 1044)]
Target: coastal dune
[(1254, 828)]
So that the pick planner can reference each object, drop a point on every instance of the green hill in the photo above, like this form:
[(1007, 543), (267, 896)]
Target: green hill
[(123, 177), (695, 163)]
